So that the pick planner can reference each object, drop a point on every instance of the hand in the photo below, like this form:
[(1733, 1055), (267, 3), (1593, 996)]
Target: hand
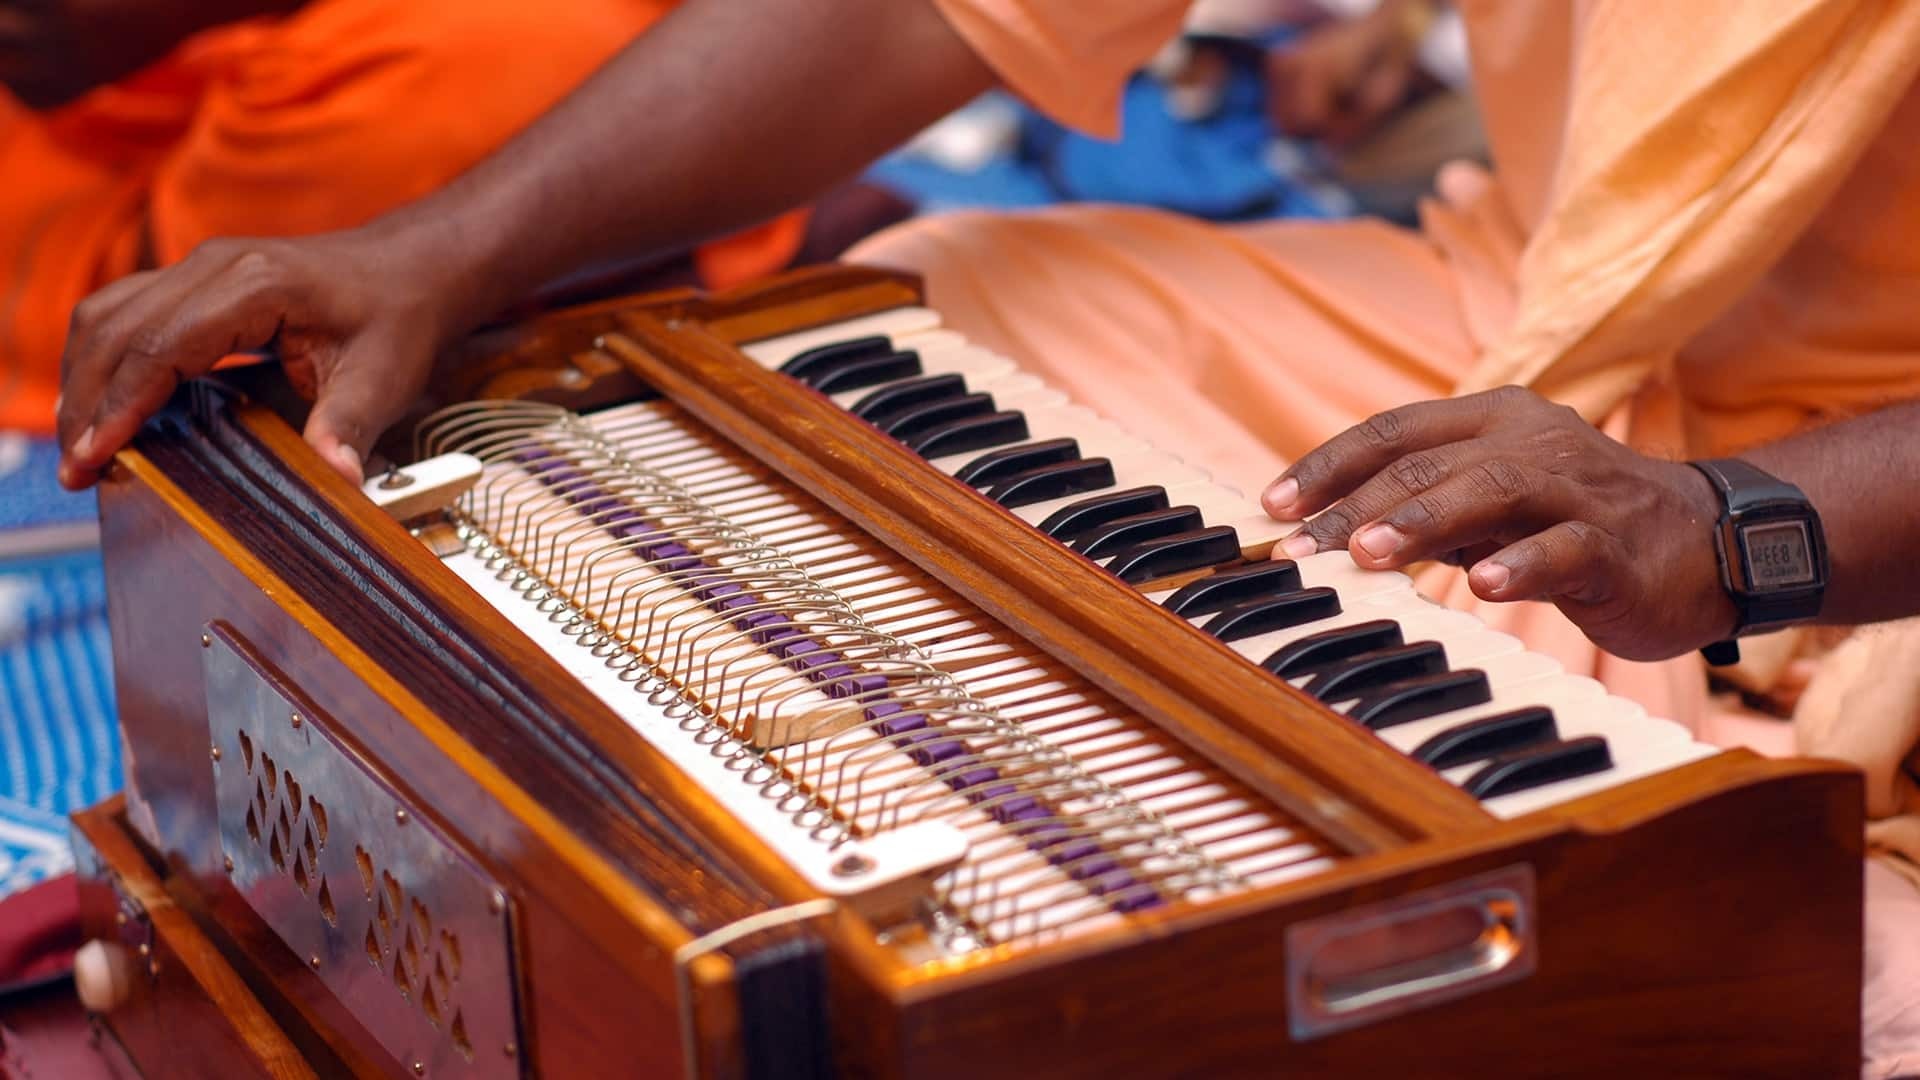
[(52, 51), (355, 317), (1340, 80), (1537, 501)]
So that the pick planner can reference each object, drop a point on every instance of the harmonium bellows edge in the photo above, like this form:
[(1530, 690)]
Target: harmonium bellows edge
[(779, 684)]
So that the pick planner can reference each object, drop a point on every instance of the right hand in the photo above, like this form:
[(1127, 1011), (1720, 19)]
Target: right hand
[(1343, 78), (354, 317)]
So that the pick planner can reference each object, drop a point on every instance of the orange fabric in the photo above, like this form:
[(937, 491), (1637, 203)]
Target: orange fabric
[(319, 121)]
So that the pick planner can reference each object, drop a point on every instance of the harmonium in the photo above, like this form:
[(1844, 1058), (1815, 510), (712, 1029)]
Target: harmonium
[(776, 684)]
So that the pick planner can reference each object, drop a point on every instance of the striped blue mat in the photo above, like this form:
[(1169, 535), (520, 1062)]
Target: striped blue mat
[(59, 746)]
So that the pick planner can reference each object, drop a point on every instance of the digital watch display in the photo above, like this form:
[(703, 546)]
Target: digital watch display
[(1773, 555)]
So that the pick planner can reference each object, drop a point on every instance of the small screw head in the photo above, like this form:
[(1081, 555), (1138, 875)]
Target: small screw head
[(852, 864), (153, 969), (297, 721), (571, 377), (400, 817), (395, 480), (145, 950), (511, 1049), (497, 902), (206, 641), (419, 1068), (119, 918), (215, 751), (314, 961), (600, 342), (228, 862)]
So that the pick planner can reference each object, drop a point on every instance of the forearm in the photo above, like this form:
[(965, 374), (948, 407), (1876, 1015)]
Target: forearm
[(1859, 475), (721, 116)]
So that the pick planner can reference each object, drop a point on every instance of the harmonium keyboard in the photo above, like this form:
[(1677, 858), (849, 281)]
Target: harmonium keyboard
[(779, 684)]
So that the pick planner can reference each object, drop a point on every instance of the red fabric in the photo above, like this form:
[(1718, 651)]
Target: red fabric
[(39, 931)]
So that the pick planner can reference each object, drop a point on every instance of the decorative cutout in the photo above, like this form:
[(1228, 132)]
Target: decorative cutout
[(424, 912)]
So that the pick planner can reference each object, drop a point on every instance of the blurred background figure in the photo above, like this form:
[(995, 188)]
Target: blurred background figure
[(1261, 109), (135, 129)]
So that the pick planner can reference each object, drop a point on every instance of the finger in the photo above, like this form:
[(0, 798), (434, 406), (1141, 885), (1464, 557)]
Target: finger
[(1574, 562), (81, 378), (1402, 479), (357, 401), (1496, 499), (1331, 471), (155, 344)]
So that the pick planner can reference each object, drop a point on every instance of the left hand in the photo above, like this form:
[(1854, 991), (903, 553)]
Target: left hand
[(1538, 502)]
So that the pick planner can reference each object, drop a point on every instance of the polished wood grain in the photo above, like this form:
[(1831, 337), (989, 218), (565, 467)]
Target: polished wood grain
[(190, 1015), (1350, 787)]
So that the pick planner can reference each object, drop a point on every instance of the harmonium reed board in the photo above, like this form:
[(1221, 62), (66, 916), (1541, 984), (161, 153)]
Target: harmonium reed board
[(780, 684)]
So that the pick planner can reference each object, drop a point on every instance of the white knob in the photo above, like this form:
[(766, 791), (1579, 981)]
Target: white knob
[(103, 974)]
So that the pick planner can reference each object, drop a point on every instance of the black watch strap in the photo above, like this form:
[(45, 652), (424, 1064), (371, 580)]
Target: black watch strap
[(1741, 486)]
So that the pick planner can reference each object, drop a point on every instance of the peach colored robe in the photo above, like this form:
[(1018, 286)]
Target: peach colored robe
[(279, 127), (1704, 232)]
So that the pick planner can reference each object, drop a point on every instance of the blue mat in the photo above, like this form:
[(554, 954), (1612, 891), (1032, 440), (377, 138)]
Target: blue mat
[(59, 744)]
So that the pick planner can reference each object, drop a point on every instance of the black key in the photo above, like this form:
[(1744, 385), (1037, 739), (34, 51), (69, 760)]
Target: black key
[(1098, 543), (1318, 652), (914, 419), (1056, 481), (997, 465), (1489, 736), (1069, 522), (971, 433), (1370, 671), (1418, 698), (1264, 616), (1224, 588), (1169, 555), (888, 399), (873, 371), (805, 365), (1539, 766)]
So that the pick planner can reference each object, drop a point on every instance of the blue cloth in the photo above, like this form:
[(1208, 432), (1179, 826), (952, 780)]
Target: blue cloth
[(1225, 167), (59, 743)]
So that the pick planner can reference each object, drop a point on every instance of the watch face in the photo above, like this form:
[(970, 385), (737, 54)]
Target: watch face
[(1779, 555)]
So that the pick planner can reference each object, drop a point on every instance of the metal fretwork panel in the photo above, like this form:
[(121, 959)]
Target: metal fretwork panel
[(403, 926)]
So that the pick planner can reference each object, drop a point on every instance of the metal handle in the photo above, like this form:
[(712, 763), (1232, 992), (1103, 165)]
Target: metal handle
[(1370, 963)]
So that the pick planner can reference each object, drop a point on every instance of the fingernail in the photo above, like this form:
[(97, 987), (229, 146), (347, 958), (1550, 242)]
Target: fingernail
[(1299, 546), (347, 458), (1379, 541), (1490, 577), (1279, 498), (83, 446)]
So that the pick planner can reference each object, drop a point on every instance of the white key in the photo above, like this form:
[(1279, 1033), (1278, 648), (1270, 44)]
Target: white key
[(898, 324)]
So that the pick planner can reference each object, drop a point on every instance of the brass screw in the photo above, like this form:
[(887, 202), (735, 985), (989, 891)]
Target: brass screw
[(314, 961), (119, 918), (497, 902), (206, 641), (153, 969), (395, 479), (296, 720), (228, 861), (511, 1049), (400, 817), (419, 1068), (145, 950), (216, 753)]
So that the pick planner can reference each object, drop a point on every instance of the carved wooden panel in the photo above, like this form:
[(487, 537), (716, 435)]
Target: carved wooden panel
[(405, 928)]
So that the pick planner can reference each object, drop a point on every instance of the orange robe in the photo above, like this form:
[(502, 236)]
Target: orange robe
[(321, 120), (1703, 233)]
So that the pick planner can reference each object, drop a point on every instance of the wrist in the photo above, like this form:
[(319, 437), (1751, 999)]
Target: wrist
[(1717, 616)]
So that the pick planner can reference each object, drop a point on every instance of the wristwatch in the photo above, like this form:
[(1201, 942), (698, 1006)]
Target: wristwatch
[(1773, 555)]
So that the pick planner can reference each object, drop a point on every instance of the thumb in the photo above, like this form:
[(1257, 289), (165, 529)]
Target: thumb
[(355, 402)]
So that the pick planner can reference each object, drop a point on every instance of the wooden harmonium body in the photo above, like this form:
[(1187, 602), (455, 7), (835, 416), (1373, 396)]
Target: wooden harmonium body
[(764, 685)]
